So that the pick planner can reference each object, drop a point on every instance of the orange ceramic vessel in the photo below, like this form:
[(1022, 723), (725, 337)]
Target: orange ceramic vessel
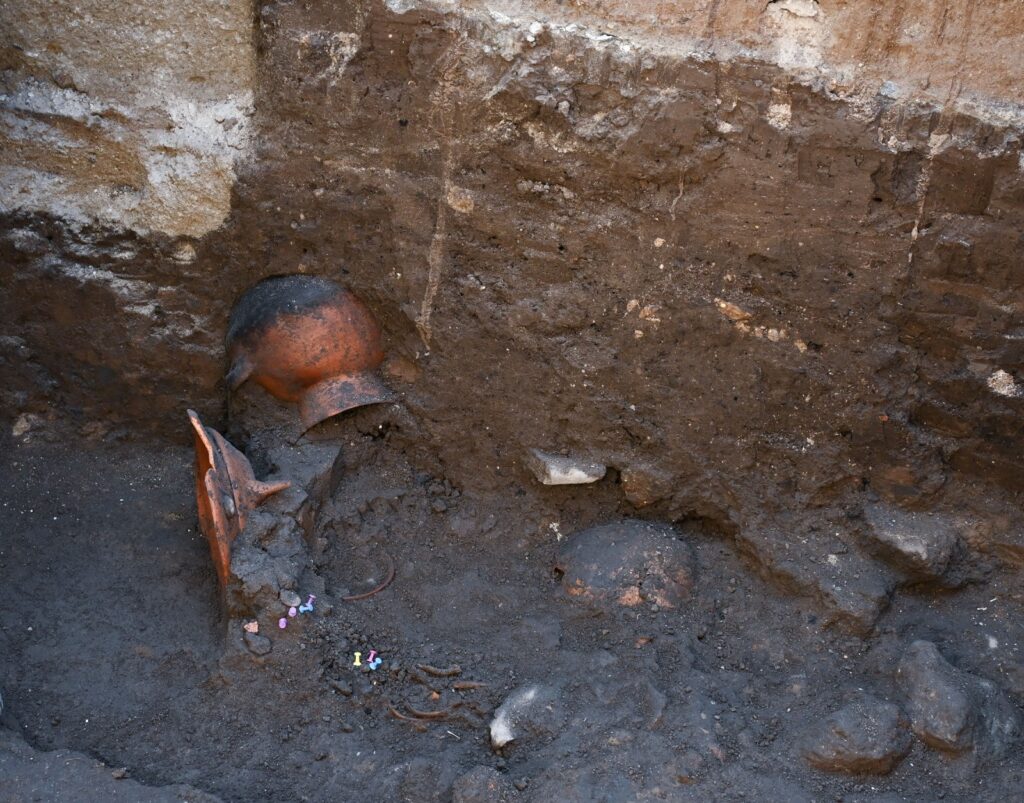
[(226, 491), (307, 340)]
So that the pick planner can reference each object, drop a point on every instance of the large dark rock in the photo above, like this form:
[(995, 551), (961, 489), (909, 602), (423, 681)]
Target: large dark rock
[(627, 562), (867, 736), (954, 710), (852, 589)]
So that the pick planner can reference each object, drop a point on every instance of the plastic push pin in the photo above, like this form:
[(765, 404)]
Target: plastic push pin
[(358, 661), (292, 611), (374, 661), (282, 623), (307, 606)]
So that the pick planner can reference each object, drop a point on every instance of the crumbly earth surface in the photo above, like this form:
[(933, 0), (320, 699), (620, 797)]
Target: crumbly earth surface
[(113, 645), (752, 268)]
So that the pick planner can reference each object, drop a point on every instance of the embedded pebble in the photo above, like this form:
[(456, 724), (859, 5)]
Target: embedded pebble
[(552, 469), (290, 599), (260, 645), (481, 785)]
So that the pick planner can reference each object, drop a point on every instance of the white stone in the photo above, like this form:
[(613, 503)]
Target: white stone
[(551, 469), (502, 725), (798, 8), (780, 115), (1002, 383)]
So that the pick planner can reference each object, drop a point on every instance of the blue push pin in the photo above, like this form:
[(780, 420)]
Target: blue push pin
[(307, 606), (374, 661)]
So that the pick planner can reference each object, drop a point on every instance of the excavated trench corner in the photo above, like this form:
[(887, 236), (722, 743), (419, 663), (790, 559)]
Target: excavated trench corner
[(692, 469)]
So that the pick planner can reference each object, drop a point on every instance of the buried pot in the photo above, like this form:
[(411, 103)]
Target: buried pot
[(226, 491), (309, 341)]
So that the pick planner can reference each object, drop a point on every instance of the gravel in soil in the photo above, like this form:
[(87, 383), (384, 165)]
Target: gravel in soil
[(113, 645)]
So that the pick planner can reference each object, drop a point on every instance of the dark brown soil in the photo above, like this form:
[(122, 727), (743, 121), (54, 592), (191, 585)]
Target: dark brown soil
[(777, 334), (113, 645)]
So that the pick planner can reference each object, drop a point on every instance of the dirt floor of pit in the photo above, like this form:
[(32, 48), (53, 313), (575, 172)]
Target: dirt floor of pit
[(111, 644)]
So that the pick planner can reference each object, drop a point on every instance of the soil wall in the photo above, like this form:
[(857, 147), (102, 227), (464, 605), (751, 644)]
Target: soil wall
[(758, 259)]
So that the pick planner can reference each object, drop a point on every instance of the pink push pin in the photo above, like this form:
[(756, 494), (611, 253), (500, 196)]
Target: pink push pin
[(373, 654), (292, 611), (282, 623)]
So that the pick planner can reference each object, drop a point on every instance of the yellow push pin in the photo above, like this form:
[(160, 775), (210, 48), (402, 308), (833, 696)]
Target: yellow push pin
[(358, 662)]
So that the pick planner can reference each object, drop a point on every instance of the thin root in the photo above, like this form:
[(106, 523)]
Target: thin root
[(378, 589), (450, 672), (417, 677), (399, 715), (428, 714)]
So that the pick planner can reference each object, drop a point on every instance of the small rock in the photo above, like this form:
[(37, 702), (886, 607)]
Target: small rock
[(120, 773), (798, 8), (184, 253), (645, 485), (629, 561), (260, 645), (552, 469), (924, 547), (290, 598), (853, 594), (954, 710), (25, 423), (866, 736), (532, 711), (439, 506), (343, 688), (481, 785)]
